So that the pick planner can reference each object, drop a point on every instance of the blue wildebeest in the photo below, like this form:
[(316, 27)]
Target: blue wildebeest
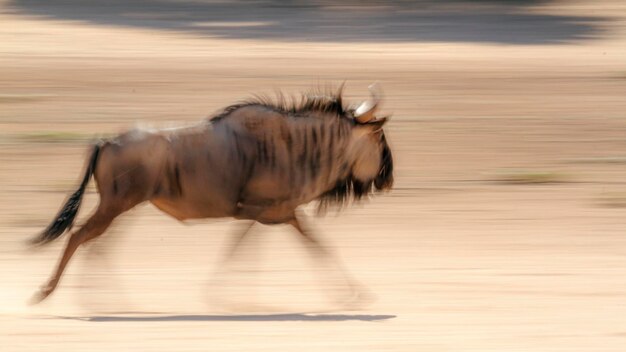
[(258, 161)]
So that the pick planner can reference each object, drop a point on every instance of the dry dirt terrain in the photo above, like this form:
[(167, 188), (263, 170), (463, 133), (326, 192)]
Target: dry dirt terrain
[(506, 230)]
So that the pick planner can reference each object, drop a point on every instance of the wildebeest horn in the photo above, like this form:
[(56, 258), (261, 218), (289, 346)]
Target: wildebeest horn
[(365, 112)]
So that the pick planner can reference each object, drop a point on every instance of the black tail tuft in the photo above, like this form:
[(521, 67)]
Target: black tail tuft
[(65, 218)]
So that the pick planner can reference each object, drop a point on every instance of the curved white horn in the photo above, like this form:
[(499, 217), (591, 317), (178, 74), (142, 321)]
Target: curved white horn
[(365, 112)]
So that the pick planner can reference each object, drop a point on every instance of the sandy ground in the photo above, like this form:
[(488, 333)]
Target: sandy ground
[(454, 259)]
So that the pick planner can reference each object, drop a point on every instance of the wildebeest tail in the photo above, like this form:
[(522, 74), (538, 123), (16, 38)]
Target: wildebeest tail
[(65, 218)]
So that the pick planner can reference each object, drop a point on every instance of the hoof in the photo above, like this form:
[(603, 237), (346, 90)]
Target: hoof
[(358, 298), (39, 296)]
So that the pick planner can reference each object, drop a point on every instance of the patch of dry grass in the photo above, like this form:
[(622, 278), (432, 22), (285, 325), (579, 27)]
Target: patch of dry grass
[(613, 199), (20, 98), (50, 137), (529, 177)]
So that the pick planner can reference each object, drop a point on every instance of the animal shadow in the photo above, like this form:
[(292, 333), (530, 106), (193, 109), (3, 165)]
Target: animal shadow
[(242, 317)]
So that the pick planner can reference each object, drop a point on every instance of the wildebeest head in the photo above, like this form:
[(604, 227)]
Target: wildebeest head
[(373, 162)]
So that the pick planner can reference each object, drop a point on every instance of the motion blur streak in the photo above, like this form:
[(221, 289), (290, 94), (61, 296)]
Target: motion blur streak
[(504, 230)]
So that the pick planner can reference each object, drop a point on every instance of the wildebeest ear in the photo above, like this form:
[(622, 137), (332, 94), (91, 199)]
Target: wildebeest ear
[(376, 125)]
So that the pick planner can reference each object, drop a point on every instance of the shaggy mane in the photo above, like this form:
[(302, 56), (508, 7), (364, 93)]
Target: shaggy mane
[(317, 101)]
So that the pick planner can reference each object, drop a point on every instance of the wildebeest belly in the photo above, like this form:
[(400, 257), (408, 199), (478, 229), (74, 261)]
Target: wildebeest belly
[(191, 187)]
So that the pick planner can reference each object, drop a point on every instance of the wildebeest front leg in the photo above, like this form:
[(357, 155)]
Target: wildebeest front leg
[(94, 227), (321, 252), (236, 240), (217, 282)]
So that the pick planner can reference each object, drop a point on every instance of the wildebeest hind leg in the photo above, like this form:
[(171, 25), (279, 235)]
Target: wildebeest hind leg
[(97, 267), (94, 227)]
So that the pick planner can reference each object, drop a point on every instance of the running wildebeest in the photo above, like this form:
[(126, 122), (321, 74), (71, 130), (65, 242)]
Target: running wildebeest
[(258, 161)]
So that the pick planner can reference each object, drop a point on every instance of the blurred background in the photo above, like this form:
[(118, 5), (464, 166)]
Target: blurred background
[(506, 230)]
